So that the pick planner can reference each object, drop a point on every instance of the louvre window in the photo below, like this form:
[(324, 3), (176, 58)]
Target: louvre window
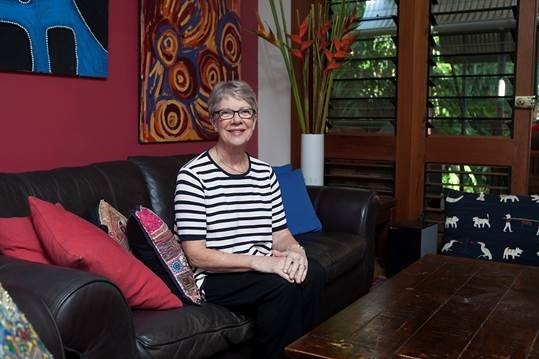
[(472, 67), (364, 92), (377, 176)]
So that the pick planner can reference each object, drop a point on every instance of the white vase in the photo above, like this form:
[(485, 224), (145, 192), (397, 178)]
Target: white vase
[(312, 158)]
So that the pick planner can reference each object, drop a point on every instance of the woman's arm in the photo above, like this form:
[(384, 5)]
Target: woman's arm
[(217, 261)]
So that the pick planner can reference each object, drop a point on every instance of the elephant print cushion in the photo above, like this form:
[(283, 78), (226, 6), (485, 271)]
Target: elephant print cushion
[(503, 228)]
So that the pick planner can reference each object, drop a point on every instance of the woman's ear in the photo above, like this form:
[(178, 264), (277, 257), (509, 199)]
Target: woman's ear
[(213, 122)]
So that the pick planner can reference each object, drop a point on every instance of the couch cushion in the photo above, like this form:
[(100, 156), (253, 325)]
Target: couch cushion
[(111, 221), (502, 228), (189, 332), (336, 252), (300, 214), (157, 247), (70, 241), (18, 239)]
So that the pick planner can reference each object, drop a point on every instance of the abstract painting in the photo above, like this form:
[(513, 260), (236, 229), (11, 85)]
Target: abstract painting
[(63, 37), (186, 47)]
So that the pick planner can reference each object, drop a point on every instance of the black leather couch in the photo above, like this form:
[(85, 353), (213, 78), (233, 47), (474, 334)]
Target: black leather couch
[(87, 315)]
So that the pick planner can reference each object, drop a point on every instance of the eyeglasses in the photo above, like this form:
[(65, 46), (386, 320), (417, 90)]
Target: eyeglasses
[(227, 114)]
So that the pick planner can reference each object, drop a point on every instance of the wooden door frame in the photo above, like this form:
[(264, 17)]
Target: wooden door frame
[(524, 86)]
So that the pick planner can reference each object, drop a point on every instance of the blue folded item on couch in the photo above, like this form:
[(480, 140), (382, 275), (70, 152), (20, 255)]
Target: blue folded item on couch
[(503, 228), (300, 214)]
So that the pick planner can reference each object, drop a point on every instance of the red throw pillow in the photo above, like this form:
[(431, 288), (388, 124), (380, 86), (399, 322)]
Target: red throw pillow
[(18, 239), (71, 241)]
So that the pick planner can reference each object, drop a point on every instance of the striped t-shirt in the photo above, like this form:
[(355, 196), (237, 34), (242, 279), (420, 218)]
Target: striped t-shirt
[(234, 213)]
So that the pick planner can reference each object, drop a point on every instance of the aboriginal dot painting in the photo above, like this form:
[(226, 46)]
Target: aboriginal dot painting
[(186, 47)]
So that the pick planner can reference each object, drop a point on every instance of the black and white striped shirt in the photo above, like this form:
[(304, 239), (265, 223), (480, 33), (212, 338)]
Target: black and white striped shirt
[(234, 213)]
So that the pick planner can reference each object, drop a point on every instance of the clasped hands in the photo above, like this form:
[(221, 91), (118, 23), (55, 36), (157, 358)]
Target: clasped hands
[(293, 264)]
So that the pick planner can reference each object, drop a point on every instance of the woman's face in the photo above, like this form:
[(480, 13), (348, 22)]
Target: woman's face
[(235, 131)]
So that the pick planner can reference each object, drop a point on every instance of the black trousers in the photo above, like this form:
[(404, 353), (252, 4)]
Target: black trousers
[(282, 311)]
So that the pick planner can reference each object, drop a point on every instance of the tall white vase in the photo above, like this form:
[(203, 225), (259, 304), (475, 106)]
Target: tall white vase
[(312, 158)]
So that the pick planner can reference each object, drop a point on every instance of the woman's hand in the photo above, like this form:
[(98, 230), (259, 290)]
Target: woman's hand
[(296, 263), (273, 264)]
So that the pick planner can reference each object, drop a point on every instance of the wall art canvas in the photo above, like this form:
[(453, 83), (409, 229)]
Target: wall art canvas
[(186, 47), (59, 37)]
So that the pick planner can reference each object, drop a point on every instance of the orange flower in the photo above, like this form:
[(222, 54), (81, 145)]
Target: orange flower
[(323, 41), (266, 35), (333, 65)]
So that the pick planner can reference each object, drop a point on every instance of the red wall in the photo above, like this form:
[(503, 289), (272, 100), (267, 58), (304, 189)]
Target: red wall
[(50, 121)]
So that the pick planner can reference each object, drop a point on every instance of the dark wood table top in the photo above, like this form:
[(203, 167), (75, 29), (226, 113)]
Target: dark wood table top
[(439, 307)]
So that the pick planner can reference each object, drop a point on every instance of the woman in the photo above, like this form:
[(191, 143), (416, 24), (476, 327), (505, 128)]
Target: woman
[(230, 219)]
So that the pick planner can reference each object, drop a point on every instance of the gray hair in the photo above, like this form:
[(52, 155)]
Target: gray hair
[(237, 89)]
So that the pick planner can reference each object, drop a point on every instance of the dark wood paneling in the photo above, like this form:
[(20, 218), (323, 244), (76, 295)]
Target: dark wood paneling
[(367, 147), (470, 150)]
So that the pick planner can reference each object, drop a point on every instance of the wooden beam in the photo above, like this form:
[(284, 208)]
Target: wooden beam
[(470, 150), (366, 147), (524, 86), (412, 74)]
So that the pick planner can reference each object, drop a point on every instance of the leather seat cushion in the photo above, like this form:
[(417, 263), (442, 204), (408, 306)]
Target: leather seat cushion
[(189, 332), (336, 252)]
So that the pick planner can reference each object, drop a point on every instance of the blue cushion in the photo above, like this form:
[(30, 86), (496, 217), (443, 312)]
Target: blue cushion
[(503, 228), (300, 214), (282, 169)]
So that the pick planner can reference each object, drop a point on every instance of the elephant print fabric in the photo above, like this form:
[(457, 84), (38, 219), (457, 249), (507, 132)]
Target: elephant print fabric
[(503, 228), (186, 47), (59, 37)]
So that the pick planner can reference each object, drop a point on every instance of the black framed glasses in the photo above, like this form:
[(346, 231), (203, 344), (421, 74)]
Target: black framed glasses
[(243, 113)]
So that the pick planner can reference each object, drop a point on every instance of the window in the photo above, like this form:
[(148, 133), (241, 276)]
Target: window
[(364, 92), (472, 67)]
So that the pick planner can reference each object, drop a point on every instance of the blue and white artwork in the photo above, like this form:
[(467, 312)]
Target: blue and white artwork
[(63, 37)]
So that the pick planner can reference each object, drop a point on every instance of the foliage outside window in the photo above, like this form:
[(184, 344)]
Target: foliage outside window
[(364, 91)]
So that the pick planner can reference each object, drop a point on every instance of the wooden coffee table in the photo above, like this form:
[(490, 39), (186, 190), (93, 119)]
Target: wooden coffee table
[(438, 307)]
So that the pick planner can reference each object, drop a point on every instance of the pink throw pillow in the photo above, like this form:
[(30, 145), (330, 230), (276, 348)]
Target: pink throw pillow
[(18, 239), (71, 241)]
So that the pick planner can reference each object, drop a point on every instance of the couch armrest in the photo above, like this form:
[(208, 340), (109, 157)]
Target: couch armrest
[(345, 209), (90, 312)]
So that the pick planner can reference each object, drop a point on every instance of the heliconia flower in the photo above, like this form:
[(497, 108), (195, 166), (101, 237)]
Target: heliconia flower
[(297, 53), (341, 55), (333, 65), (304, 27), (306, 44), (330, 48), (328, 54), (269, 36), (348, 40), (324, 29)]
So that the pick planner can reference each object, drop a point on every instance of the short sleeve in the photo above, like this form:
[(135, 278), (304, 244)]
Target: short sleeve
[(277, 209), (189, 206)]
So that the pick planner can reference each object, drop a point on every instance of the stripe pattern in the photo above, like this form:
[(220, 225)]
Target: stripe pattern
[(234, 213)]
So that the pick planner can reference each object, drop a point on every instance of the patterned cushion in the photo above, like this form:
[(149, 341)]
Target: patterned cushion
[(502, 228), (18, 339), (154, 244), (113, 222)]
